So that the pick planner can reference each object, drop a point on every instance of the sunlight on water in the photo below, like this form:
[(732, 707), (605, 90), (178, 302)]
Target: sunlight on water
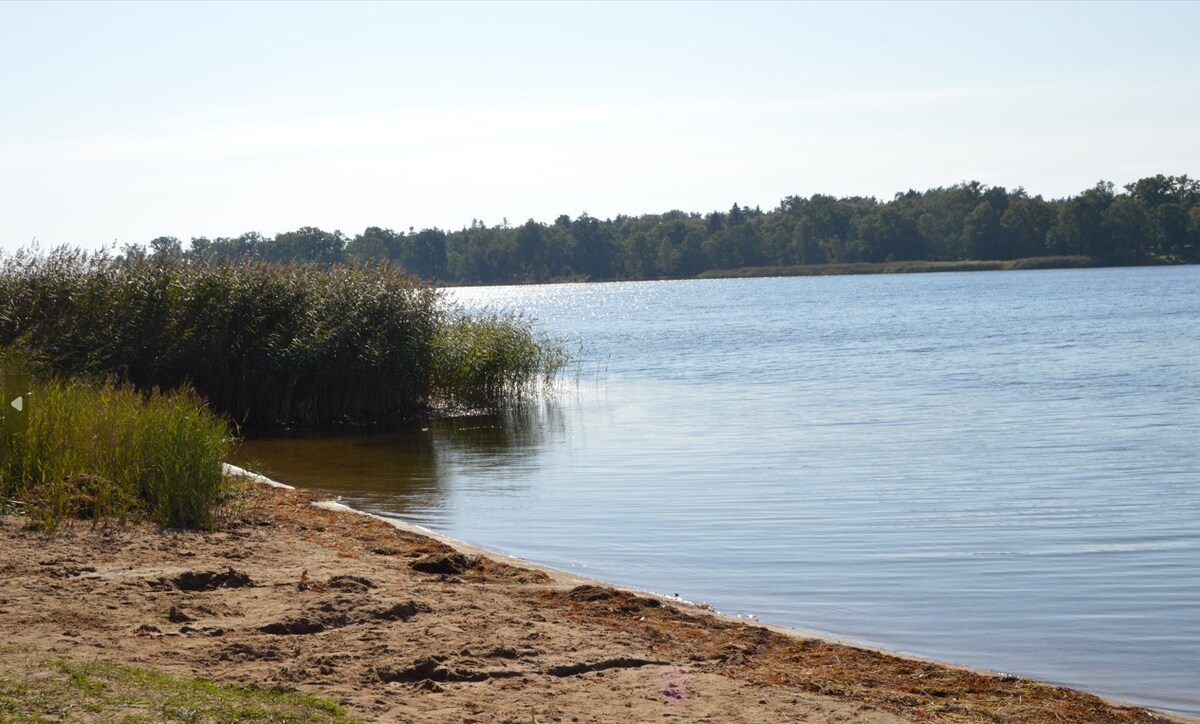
[(995, 469)]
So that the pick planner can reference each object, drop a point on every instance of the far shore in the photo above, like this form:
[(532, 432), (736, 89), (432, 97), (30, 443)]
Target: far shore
[(395, 623), (922, 267), (865, 269)]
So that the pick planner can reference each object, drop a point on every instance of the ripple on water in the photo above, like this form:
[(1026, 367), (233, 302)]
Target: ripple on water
[(994, 469)]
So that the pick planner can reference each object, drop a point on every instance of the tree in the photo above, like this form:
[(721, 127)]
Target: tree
[(1154, 217), (735, 215), (166, 247), (981, 233), (1169, 224), (1191, 249), (1025, 225), (306, 244), (1125, 226), (835, 249), (1080, 226), (831, 217), (885, 234), (1157, 190), (804, 247), (639, 254), (531, 251), (427, 254), (715, 222), (593, 252), (374, 244)]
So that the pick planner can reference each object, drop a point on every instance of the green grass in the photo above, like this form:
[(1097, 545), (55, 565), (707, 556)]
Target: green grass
[(104, 451), (37, 688), (267, 345)]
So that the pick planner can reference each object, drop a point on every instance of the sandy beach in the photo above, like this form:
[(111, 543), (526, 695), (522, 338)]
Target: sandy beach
[(399, 626)]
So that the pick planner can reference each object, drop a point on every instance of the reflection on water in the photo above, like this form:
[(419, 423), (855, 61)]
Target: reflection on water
[(405, 470), (507, 438)]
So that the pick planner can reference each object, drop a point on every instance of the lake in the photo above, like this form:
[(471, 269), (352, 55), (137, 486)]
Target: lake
[(995, 469)]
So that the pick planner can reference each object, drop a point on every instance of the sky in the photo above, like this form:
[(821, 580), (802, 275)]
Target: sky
[(121, 122)]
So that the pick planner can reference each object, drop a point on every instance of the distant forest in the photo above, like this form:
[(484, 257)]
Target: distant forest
[(1155, 220)]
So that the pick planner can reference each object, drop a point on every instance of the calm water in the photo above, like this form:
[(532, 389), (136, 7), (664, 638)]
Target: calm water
[(995, 469)]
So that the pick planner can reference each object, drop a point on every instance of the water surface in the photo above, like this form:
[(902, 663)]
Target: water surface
[(995, 469)]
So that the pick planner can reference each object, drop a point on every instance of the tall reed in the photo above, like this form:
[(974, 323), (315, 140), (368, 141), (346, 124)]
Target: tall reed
[(267, 344), (484, 357)]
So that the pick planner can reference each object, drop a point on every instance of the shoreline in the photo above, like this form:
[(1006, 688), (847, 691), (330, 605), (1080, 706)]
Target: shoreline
[(574, 579), (566, 576), (860, 268), (396, 623)]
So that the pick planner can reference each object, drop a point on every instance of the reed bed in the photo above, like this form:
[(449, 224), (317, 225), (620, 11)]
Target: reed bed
[(485, 357), (105, 451), (268, 345)]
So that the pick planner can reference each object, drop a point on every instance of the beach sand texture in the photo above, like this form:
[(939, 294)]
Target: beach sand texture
[(399, 626)]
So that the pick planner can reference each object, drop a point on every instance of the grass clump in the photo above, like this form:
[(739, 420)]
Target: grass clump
[(35, 688), (266, 344), (98, 450), (485, 357)]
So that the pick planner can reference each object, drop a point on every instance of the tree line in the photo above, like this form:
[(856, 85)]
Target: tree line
[(1154, 220)]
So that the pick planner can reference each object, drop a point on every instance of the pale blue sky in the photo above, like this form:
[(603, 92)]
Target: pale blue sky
[(122, 122)]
